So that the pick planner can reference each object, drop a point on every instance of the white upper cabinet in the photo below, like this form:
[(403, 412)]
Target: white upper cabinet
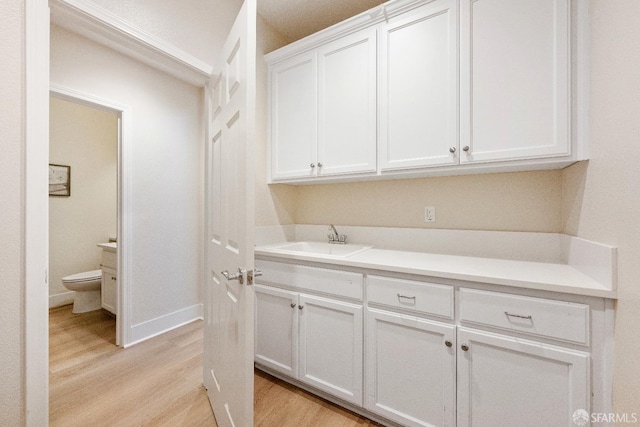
[(418, 88), (294, 101), (433, 87), (323, 110), (515, 79), (347, 107)]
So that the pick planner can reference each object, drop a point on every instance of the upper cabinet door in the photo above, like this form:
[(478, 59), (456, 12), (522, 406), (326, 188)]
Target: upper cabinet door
[(515, 79), (347, 104), (294, 115), (418, 88)]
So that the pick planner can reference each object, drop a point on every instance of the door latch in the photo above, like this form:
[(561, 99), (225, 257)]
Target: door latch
[(251, 274)]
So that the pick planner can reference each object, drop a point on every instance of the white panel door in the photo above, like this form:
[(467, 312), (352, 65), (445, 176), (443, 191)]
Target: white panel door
[(419, 88), (294, 117), (331, 346), (229, 302), (347, 104), (276, 342), (505, 381), (515, 79), (411, 369)]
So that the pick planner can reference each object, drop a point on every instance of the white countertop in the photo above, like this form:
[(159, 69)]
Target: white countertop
[(520, 274), (109, 247)]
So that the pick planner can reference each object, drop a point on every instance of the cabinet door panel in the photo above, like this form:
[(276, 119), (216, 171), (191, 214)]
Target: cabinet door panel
[(510, 381), (514, 79), (109, 291), (418, 79), (294, 117), (276, 340), (331, 347), (411, 372), (347, 107)]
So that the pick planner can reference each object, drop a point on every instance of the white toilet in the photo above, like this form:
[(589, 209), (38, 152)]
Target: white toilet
[(87, 288)]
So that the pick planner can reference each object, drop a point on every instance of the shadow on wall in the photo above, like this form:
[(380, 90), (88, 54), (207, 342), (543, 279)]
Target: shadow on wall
[(574, 180)]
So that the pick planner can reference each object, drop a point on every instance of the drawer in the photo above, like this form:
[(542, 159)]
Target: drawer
[(301, 277), (536, 316), (428, 298), (109, 260)]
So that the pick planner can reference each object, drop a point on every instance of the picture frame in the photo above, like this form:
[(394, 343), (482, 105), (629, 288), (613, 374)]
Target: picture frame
[(59, 180)]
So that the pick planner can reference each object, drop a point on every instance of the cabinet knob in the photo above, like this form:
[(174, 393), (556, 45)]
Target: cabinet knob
[(293, 305), (312, 165), (464, 347), (300, 307), (448, 343), (452, 150), (319, 164), (466, 148)]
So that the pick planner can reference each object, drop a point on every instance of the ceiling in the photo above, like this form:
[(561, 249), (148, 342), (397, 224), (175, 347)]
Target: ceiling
[(295, 19)]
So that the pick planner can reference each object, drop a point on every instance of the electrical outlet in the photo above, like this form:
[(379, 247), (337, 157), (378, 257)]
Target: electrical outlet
[(429, 214)]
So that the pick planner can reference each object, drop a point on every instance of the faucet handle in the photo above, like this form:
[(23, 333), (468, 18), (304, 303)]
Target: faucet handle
[(343, 238)]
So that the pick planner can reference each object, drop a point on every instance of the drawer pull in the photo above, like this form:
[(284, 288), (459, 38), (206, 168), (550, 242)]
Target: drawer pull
[(401, 297), (518, 316)]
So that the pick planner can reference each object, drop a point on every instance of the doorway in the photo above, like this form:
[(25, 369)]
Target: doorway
[(122, 235)]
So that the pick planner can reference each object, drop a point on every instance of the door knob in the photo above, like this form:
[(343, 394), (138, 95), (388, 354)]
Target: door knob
[(239, 276)]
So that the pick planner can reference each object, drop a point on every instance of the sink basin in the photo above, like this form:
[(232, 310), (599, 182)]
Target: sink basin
[(321, 248)]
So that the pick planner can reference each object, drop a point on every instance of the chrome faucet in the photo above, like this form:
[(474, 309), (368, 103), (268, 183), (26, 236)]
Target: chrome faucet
[(336, 238)]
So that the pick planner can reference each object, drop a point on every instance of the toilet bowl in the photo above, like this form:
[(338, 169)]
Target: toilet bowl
[(87, 288)]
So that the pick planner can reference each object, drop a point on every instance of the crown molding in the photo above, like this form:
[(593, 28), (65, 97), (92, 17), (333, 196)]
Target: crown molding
[(98, 24)]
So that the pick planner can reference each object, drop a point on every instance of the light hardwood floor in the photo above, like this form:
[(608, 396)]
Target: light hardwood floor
[(157, 382)]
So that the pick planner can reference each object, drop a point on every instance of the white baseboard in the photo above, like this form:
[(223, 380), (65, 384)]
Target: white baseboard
[(59, 300), (154, 327)]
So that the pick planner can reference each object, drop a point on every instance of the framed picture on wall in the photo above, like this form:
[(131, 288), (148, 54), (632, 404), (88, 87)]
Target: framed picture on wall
[(59, 180)]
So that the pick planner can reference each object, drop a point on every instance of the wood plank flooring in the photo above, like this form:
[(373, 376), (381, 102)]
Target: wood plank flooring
[(156, 383)]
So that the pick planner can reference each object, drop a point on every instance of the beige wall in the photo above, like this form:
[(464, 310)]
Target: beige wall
[(601, 199), (274, 204), (87, 140), (526, 201), (11, 212)]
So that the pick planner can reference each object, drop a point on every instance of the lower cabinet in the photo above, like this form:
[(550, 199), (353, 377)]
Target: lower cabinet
[(410, 369), (490, 359), (276, 329), (315, 340), (331, 346), (109, 290), (508, 381)]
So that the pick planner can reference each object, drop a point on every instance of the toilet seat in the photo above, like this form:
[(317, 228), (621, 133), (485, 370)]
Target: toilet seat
[(85, 276)]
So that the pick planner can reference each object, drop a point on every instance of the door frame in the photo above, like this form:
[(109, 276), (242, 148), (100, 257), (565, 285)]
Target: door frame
[(124, 212)]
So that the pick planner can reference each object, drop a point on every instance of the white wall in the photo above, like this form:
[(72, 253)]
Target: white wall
[(197, 27), (601, 199), (11, 212), (86, 139), (167, 169)]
